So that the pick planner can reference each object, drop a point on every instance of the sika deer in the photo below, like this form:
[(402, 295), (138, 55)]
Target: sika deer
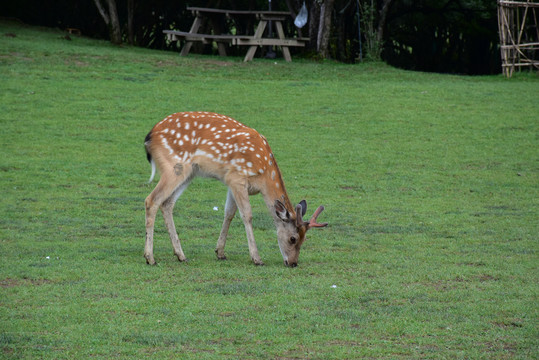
[(189, 144)]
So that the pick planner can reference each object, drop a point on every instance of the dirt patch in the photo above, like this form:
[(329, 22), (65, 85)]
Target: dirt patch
[(162, 63), (217, 62), (9, 283)]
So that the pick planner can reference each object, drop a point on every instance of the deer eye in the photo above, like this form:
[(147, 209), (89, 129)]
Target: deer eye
[(293, 240)]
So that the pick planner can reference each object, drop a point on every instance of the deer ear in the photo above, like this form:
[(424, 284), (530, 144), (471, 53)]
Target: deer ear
[(303, 204), (281, 211)]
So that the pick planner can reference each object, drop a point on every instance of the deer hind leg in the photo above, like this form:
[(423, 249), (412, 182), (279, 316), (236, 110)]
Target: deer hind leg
[(230, 211), (241, 196), (171, 181), (166, 209)]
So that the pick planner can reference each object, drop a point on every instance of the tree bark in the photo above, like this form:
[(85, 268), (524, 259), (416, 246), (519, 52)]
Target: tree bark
[(111, 19), (314, 20), (130, 15), (324, 29), (382, 22)]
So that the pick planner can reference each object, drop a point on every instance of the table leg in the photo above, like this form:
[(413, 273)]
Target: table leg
[(280, 33), (194, 29), (258, 35)]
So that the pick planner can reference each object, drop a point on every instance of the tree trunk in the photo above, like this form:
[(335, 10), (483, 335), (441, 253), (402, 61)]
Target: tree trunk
[(324, 29), (382, 23), (314, 19), (130, 15), (111, 19), (115, 31)]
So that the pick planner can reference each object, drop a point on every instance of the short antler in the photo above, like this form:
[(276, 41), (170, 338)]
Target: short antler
[(300, 211), (312, 222)]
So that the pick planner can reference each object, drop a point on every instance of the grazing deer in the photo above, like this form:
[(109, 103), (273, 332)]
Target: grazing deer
[(189, 144)]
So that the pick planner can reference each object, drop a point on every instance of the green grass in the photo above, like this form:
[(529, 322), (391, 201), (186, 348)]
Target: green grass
[(430, 184)]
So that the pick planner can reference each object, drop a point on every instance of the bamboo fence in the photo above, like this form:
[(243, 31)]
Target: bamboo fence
[(519, 35)]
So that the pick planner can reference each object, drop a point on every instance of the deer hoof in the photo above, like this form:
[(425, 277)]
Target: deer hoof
[(181, 257), (258, 262), (220, 254)]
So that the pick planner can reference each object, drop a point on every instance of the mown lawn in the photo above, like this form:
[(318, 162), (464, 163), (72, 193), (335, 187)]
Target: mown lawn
[(430, 184)]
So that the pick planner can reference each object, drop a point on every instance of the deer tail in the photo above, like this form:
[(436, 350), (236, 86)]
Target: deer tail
[(147, 142)]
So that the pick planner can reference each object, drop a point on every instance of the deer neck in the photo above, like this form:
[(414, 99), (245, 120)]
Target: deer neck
[(275, 190)]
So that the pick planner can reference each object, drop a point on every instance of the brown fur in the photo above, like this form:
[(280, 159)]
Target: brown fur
[(189, 144)]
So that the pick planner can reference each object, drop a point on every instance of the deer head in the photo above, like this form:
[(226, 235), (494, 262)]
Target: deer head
[(291, 230)]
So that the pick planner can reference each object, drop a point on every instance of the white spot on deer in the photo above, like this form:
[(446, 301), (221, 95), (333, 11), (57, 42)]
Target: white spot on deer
[(186, 126), (172, 132), (207, 126), (203, 141), (261, 171), (167, 146), (165, 131), (249, 164), (273, 175), (186, 138), (180, 142)]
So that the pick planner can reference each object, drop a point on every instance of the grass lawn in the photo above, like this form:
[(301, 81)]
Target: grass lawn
[(430, 184)]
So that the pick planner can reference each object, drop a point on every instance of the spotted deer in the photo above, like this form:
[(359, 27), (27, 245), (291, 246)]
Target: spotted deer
[(189, 144)]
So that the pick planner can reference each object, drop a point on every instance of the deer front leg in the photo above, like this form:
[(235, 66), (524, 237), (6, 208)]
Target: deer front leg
[(230, 211), (241, 197)]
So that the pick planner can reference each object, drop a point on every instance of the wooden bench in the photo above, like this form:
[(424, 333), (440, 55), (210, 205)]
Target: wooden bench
[(252, 41)]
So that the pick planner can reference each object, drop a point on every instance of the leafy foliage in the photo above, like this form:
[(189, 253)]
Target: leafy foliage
[(444, 36)]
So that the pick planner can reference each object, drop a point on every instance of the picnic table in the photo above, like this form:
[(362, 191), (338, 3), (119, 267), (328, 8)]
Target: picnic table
[(216, 32)]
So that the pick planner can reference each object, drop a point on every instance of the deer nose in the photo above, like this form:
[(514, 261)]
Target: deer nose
[(290, 264)]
